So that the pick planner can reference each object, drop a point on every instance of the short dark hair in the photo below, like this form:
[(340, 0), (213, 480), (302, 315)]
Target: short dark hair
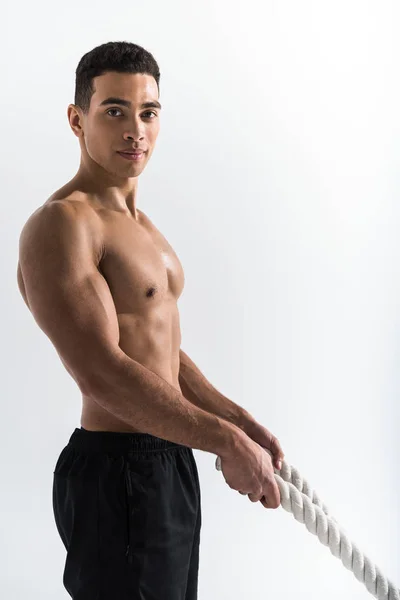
[(122, 57)]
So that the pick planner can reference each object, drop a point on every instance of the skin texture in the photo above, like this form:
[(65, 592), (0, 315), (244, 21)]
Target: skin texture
[(136, 274)]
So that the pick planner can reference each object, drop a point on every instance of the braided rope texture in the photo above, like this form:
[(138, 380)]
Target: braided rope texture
[(300, 499)]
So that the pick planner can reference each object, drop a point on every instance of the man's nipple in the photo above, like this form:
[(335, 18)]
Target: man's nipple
[(150, 292)]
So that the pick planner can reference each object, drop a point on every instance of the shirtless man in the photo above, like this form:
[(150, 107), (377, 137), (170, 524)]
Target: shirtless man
[(103, 284)]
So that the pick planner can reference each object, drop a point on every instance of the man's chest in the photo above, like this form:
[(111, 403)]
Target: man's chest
[(139, 264)]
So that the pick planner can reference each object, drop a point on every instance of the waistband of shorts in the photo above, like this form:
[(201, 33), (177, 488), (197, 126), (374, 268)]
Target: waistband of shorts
[(112, 441)]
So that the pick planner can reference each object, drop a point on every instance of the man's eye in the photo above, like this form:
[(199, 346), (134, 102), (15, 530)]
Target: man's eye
[(113, 109)]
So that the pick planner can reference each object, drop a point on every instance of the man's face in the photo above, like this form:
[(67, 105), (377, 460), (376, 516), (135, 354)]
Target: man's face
[(110, 128)]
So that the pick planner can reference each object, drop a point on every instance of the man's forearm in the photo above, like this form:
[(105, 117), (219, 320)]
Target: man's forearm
[(200, 392), (141, 398)]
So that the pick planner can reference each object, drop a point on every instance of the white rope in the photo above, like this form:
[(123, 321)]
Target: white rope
[(298, 498)]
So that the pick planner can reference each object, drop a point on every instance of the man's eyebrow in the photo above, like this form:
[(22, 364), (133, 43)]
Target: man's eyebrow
[(122, 102)]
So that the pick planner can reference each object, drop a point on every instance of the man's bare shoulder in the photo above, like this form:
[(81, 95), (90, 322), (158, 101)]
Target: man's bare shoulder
[(75, 199), (78, 208), (146, 221)]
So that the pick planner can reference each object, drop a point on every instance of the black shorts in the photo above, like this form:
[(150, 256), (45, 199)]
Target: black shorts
[(127, 508)]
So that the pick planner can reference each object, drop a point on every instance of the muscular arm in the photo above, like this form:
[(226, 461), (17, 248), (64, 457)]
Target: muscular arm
[(200, 392), (71, 302)]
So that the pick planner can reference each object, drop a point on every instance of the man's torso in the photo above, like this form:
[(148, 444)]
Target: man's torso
[(145, 278)]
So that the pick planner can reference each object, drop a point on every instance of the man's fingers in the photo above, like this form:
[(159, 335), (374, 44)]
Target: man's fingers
[(253, 498), (276, 448), (277, 451)]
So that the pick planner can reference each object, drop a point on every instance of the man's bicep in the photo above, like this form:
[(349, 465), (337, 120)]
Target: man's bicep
[(68, 296)]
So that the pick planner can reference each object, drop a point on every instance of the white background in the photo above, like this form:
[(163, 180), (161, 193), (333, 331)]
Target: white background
[(276, 180)]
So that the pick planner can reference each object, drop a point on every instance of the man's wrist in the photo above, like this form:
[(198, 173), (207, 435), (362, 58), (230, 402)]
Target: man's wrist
[(244, 420), (231, 438)]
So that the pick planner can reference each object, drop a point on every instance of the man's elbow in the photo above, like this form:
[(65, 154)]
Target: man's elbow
[(101, 372)]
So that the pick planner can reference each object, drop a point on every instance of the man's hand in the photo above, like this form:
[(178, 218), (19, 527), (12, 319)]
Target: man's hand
[(264, 437)]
